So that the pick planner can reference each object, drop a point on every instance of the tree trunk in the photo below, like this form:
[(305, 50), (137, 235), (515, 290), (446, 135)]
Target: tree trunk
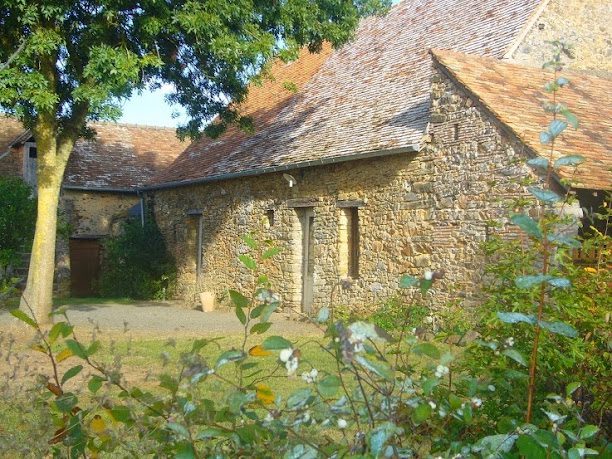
[(37, 299)]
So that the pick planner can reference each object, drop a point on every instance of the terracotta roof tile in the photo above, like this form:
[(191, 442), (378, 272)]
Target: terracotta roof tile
[(121, 156), (10, 129), (515, 95), (371, 95)]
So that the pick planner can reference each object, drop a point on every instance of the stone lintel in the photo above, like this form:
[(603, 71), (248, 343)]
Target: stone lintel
[(302, 202), (350, 203)]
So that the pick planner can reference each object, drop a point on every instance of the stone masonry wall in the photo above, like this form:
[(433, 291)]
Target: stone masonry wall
[(87, 214), (425, 211), (585, 24)]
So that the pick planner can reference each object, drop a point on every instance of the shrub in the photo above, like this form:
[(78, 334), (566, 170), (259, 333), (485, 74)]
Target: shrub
[(17, 219), (136, 263)]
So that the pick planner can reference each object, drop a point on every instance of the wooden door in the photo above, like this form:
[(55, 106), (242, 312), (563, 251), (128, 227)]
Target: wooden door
[(307, 222), (84, 267)]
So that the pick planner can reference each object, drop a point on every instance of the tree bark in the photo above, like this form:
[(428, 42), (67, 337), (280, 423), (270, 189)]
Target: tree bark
[(37, 299)]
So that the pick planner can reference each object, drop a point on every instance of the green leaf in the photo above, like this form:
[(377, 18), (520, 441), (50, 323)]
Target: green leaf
[(515, 317), (556, 127), (421, 413), (380, 435), (121, 414), (527, 282), (571, 388), (323, 315), (66, 402), (71, 373), (268, 310), (529, 447), (527, 224), (381, 369), (559, 328), (588, 431), (515, 355), (238, 299), (562, 81), (233, 355), (540, 162), (60, 328), (407, 281), (271, 252), (240, 315), (427, 349), (562, 240), (19, 314), (76, 348), (545, 138), (276, 343), (298, 398), (492, 445), (570, 118), (248, 261), (301, 451), (95, 383), (184, 450), (93, 348), (429, 385), (261, 327), (546, 196), (249, 241), (329, 385), (559, 282), (425, 285), (569, 160)]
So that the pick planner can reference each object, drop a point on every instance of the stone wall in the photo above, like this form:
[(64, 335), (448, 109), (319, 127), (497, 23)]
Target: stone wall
[(585, 24), (426, 211), (86, 214)]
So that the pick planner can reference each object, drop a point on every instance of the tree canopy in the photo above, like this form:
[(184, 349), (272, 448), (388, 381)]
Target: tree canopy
[(78, 60)]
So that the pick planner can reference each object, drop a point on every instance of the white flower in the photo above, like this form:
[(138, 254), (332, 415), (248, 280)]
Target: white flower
[(441, 370), (310, 376), (269, 417), (291, 365), (491, 387), (342, 424), (510, 342), (432, 404), (442, 412), (476, 402), (285, 354), (428, 319), (428, 275)]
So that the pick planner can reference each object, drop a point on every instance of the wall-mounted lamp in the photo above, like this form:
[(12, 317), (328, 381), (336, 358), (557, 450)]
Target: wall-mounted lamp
[(290, 179)]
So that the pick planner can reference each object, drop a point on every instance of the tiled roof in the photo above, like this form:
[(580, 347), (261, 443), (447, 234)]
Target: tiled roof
[(515, 95), (371, 95), (10, 129), (122, 156)]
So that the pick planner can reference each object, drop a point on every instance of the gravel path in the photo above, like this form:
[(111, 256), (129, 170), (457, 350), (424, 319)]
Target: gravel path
[(164, 319)]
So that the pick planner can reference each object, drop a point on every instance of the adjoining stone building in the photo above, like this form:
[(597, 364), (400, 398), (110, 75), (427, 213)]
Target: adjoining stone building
[(381, 163), (99, 191)]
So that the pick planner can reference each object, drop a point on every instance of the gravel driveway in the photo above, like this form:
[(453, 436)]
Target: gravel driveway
[(164, 319)]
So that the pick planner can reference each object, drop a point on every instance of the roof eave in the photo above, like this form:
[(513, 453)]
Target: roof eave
[(100, 189), (267, 170)]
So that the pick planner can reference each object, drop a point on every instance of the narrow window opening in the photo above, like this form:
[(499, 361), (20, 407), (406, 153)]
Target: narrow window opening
[(353, 243), (456, 131), (348, 238), (270, 217), (33, 152)]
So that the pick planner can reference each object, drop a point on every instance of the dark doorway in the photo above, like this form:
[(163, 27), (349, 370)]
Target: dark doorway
[(84, 266)]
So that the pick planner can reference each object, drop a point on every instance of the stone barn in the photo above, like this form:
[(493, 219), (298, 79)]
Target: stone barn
[(380, 158), (99, 191)]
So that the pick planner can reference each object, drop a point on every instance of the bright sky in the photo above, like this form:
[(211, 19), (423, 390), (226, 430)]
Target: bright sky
[(151, 108)]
